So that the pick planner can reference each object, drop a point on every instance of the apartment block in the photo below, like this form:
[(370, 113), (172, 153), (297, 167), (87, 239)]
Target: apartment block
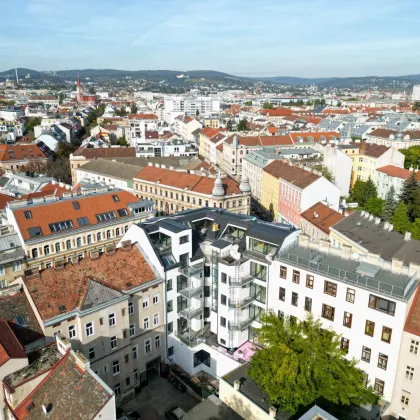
[(391, 176)]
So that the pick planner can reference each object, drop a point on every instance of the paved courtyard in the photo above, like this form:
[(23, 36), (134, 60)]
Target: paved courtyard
[(158, 396)]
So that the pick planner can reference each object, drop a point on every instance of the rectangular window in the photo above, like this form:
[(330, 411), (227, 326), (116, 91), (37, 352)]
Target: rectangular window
[(146, 323), (328, 312), (409, 373), (89, 329), (134, 352), (130, 308), (170, 351), (282, 294), (405, 399), (309, 281), (308, 304), (155, 320), (414, 346), (379, 386), (147, 346), (115, 367), (222, 321), (350, 295), (91, 353), (72, 331), (113, 342), (170, 327), (28, 214), (223, 299), (16, 266), (348, 317), (169, 306), (295, 298), (156, 299), (132, 329), (345, 344), (283, 272), (330, 288), (112, 320), (117, 390), (382, 361), (157, 341), (296, 276), (366, 352), (386, 334), (183, 239), (145, 302), (370, 328), (381, 304)]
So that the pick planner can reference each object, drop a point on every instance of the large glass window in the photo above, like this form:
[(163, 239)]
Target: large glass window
[(258, 293), (202, 357), (262, 247), (258, 271), (381, 304)]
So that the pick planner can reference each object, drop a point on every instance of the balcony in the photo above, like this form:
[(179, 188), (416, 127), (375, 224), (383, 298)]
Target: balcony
[(241, 281), (190, 313), (190, 292), (241, 303), (16, 254), (240, 325), (191, 270)]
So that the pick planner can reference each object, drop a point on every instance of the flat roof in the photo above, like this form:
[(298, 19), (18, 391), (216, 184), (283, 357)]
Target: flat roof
[(212, 408)]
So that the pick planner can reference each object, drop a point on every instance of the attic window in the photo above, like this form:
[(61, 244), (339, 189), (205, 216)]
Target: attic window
[(115, 198), (64, 225), (28, 214), (62, 308), (76, 205), (35, 231), (30, 407), (105, 216), (122, 212), (83, 221)]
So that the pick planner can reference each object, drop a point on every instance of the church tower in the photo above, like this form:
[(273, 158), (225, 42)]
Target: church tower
[(79, 90)]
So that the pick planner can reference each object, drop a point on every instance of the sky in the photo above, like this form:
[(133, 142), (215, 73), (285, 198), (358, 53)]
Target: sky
[(302, 38)]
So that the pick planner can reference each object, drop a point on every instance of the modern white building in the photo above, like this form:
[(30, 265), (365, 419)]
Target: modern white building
[(416, 93), (340, 165), (139, 124), (189, 105), (177, 147), (11, 114)]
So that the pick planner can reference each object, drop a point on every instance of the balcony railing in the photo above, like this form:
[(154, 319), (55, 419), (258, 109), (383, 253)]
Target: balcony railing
[(241, 281), (191, 270), (190, 292), (191, 313), (241, 303), (240, 325)]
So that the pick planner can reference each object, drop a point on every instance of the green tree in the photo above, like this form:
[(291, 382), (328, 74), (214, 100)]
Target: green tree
[(415, 229), (408, 189), (301, 362), (242, 125), (390, 205), (374, 206), (326, 173), (411, 157), (267, 105), (362, 191), (134, 109), (416, 106), (121, 141), (248, 103), (400, 219), (33, 123)]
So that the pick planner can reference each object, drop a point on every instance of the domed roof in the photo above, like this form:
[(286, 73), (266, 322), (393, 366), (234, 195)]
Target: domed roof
[(218, 189), (244, 185)]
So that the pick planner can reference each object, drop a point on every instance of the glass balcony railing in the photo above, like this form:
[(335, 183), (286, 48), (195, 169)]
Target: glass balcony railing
[(190, 291), (239, 304), (191, 313)]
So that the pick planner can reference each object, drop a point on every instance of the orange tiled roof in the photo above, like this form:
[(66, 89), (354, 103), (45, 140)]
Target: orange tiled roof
[(182, 180), (20, 152), (49, 189), (143, 117), (121, 271), (373, 150), (322, 216), (277, 112), (58, 211), (4, 199)]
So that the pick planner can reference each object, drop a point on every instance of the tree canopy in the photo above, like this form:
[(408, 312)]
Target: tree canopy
[(301, 362), (243, 125), (412, 157), (390, 205), (267, 105), (362, 191), (33, 123), (400, 219), (374, 206)]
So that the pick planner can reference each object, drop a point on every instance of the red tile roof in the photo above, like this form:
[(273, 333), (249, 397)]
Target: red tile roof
[(10, 347), (322, 217), (210, 132), (396, 172), (336, 111), (154, 135), (278, 112), (291, 174), (63, 210), (20, 152), (143, 117), (412, 322), (261, 140), (105, 152), (52, 288), (313, 136), (49, 189), (373, 150), (182, 180), (4, 199)]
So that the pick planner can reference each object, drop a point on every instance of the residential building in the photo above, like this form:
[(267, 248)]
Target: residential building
[(176, 190), (139, 124), (213, 122), (340, 166), (185, 126), (65, 229), (85, 154), (13, 157), (371, 157), (57, 375), (114, 316), (289, 190), (205, 140), (176, 147), (317, 220), (391, 176), (416, 93), (192, 106), (49, 100), (393, 138), (11, 114)]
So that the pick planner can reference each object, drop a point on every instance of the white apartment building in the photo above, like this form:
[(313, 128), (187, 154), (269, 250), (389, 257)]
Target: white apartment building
[(390, 176), (176, 147), (189, 105), (416, 93), (11, 114), (340, 165), (139, 124)]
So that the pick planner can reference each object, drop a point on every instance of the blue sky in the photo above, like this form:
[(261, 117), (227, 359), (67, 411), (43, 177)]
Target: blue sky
[(308, 38)]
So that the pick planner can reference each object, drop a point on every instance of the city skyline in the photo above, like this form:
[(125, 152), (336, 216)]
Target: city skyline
[(303, 39)]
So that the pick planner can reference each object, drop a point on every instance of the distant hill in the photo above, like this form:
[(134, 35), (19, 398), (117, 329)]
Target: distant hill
[(214, 76)]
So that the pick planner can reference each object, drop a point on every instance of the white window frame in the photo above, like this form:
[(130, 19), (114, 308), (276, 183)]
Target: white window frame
[(135, 352), (157, 341), (132, 330), (117, 387), (145, 302), (86, 329), (72, 331), (156, 319), (17, 266), (156, 299), (116, 364), (112, 316), (146, 321), (148, 341), (130, 308), (113, 340), (3, 284)]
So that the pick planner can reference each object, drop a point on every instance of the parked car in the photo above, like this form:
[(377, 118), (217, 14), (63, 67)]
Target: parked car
[(174, 413)]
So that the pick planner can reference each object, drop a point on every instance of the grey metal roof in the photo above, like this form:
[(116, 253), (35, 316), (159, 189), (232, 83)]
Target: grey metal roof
[(173, 225), (97, 293), (9, 241), (110, 168), (220, 244)]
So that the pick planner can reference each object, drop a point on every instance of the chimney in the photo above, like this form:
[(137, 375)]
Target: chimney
[(81, 361), (303, 240), (377, 220), (272, 412), (386, 225), (63, 344), (236, 385), (391, 227), (362, 214), (407, 236), (396, 265), (126, 245), (150, 164)]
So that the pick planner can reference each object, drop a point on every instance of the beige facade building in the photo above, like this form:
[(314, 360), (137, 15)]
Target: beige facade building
[(52, 229), (111, 309), (174, 191)]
